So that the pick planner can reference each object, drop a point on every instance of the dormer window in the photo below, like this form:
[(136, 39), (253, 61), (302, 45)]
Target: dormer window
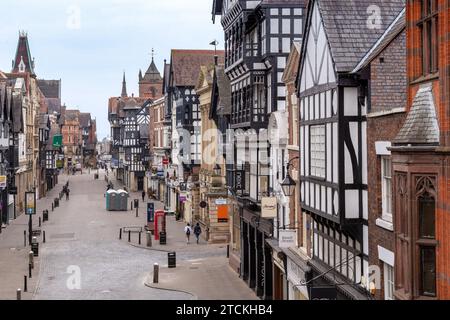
[(22, 66)]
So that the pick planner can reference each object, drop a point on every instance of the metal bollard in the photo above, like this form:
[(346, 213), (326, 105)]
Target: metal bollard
[(155, 273), (43, 236), (53, 206), (131, 205), (25, 284), (120, 234), (29, 271), (40, 222), (31, 259), (149, 238), (137, 212), (129, 235), (24, 238), (140, 238), (19, 294), (228, 251)]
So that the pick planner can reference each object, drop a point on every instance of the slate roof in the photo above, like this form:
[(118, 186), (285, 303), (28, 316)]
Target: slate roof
[(23, 52), (397, 26), (50, 88), (350, 29), (44, 121), (54, 105), (421, 126), (71, 115), (84, 119), (224, 86), (186, 65), (152, 74)]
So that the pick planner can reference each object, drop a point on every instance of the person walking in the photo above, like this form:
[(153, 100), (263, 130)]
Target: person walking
[(67, 193), (143, 196), (197, 231), (187, 232)]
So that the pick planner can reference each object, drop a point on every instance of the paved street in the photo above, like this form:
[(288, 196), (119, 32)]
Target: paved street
[(83, 238)]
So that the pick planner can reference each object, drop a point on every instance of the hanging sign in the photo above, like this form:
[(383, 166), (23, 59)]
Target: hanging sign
[(287, 238), (30, 203), (269, 207), (323, 293), (221, 202), (3, 182)]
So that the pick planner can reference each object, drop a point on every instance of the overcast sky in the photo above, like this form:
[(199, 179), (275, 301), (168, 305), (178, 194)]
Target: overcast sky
[(89, 43)]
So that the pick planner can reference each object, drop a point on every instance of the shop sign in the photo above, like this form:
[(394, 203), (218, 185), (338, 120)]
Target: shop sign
[(323, 293), (221, 202), (3, 182), (269, 207), (287, 238), (239, 183), (296, 276)]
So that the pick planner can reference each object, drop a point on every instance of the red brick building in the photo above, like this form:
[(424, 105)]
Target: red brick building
[(151, 84), (421, 156), (384, 68)]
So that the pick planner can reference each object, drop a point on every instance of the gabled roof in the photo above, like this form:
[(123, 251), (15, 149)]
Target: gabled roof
[(85, 119), (152, 74), (221, 93), (354, 26), (23, 54), (421, 125), (397, 26), (51, 89), (185, 65)]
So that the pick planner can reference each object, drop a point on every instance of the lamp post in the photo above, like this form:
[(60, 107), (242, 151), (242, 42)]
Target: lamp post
[(288, 184)]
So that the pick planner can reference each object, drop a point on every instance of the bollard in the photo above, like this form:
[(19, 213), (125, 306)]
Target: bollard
[(155, 273), (137, 212), (228, 251), (53, 207), (149, 239), (120, 234), (29, 271), (25, 284), (140, 238), (40, 222), (19, 294), (131, 205), (31, 259), (129, 235), (24, 238), (43, 236)]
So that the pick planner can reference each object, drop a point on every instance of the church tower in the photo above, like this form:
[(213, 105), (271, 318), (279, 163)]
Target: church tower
[(124, 87), (23, 63), (151, 84)]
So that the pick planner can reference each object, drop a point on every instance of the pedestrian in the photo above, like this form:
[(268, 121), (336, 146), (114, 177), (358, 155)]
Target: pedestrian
[(67, 193), (143, 196), (197, 231), (187, 232)]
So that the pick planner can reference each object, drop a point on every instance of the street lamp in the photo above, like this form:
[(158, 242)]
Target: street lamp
[(288, 184)]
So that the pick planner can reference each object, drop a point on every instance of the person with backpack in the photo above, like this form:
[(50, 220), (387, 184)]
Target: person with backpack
[(197, 231), (187, 232)]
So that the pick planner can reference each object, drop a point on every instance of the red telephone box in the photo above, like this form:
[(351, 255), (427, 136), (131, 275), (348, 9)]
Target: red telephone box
[(160, 223)]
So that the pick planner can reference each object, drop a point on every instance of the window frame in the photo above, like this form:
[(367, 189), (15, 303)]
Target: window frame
[(389, 281), (428, 26), (386, 215), (314, 168)]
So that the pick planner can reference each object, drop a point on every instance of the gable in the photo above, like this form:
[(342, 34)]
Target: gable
[(317, 66)]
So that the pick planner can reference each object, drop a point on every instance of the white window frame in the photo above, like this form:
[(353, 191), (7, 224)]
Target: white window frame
[(386, 189), (318, 151), (389, 283)]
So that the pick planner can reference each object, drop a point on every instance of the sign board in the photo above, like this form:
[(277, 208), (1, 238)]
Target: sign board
[(221, 202), (150, 212), (57, 141), (323, 293), (203, 204), (13, 190), (183, 198), (59, 164), (269, 207), (239, 181), (3, 182), (165, 161), (287, 238), (30, 203)]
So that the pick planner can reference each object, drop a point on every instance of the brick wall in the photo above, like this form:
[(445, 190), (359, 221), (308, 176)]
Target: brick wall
[(388, 91)]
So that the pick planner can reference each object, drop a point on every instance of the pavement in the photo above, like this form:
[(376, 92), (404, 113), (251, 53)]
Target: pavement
[(84, 259)]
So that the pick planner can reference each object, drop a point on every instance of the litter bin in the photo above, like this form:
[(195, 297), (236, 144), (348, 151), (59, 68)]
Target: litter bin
[(35, 247), (56, 202), (162, 238), (172, 257), (45, 215)]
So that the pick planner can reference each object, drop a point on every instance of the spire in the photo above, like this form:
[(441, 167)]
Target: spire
[(152, 74), (140, 75), (124, 87), (22, 61)]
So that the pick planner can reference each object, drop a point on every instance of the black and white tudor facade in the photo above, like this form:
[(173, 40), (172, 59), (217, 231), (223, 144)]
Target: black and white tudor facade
[(258, 39), (333, 166)]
